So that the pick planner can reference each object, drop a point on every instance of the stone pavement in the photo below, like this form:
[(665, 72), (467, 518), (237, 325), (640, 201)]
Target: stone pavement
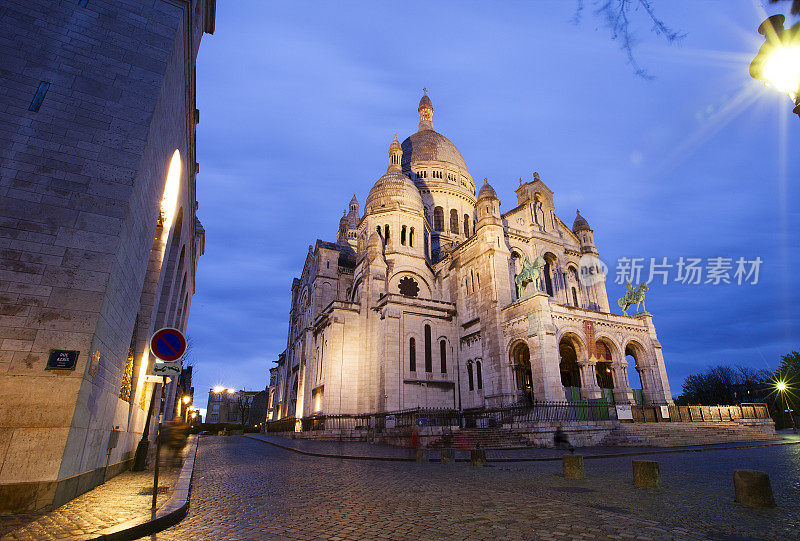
[(123, 498), (247, 490)]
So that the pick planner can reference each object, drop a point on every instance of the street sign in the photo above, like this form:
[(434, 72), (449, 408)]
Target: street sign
[(168, 344), (150, 378), (61, 359), (166, 369)]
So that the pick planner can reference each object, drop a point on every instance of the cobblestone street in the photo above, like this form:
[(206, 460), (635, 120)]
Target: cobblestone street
[(245, 489)]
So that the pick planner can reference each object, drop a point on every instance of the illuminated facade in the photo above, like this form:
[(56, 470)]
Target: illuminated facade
[(100, 238), (416, 305)]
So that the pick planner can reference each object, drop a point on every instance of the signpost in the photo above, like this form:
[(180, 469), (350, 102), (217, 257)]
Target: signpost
[(168, 345)]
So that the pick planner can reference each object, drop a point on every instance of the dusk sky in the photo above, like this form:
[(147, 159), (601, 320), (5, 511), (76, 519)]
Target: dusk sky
[(299, 102)]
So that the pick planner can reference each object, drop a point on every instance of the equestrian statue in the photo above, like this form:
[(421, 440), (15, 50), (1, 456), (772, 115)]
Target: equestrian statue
[(531, 273), (633, 296)]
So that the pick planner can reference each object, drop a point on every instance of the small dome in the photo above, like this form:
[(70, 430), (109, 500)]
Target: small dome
[(580, 223), (425, 102), (393, 187), (344, 220), (486, 192)]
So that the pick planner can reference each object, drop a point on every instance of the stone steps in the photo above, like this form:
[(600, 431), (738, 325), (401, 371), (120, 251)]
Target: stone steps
[(685, 434), (486, 438)]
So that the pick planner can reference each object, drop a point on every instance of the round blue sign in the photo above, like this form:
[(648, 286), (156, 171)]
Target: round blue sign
[(168, 344)]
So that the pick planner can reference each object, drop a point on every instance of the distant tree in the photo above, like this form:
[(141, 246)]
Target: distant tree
[(243, 403), (724, 385)]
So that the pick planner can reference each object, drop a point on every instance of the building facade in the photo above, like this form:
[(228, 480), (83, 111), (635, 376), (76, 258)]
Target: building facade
[(416, 305), (232, 406), (99, 241)]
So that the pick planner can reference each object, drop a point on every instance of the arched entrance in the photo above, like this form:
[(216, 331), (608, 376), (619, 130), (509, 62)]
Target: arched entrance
[(568, 365), (521, 360), (634, 355), (605, 376)]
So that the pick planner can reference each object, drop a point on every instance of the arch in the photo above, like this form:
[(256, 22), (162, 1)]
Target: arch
[(636, 356), (428, 353), (575, 297), (603, 371), (479, 374), (549, 268), (412, 354), (438, 219), (521, 361), (403, 235), (466, 225), (422, 283), (411, 237), (443, 355), (386, 233), (569, 348), (454, 221)]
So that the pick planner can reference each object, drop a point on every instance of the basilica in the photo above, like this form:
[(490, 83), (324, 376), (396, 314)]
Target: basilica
[(422, 301)]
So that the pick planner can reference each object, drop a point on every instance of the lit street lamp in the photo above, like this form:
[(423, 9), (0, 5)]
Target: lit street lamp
[(777, 63), (782, 388)]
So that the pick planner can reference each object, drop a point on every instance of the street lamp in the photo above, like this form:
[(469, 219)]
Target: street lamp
[(777, 63), (782, 388)]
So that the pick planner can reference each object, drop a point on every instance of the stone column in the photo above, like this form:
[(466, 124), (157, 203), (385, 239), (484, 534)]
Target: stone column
[(623, 394), (589, 387), (544, 349)]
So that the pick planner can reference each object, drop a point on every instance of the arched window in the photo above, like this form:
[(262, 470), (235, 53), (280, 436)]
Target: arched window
[(466, 225), (479, 374), (454, 221), (574, 297), (549, 261), (438, 219), (411, 237), (403, 235), (443, 355), (469, 376), (428, 353), (386, 234), (412, 354)]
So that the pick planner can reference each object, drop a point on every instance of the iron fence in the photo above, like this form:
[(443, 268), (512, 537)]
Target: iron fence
[(538, 412)]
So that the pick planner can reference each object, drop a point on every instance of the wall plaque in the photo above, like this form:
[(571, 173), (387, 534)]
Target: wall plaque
[(62, 359)]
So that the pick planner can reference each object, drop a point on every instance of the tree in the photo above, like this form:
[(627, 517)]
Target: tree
[(725, 385), (243, 402)]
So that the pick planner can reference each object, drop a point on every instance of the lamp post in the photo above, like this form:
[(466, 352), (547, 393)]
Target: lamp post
[(782, 387), (777, 63), (186, 401)]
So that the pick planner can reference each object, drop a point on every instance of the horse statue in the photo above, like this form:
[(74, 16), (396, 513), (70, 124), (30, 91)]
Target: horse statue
[(633, 296), (530, 273)]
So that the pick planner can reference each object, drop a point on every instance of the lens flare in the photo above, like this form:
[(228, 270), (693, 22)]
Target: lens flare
[(782, 69)]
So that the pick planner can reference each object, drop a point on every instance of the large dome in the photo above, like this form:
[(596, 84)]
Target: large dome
[(428, 145), (393, 187)]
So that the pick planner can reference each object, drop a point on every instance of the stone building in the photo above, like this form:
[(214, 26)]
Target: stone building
[(99, 241), (416, 306), (232, 406)]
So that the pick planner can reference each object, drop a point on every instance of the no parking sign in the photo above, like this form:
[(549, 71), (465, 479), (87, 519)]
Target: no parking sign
[(168, 344)]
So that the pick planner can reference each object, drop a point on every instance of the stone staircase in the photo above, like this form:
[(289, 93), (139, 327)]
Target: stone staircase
[(685, 434), (487, 438)]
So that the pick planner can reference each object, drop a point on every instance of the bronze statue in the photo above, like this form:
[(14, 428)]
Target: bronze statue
[(633, 296), (530, 273)]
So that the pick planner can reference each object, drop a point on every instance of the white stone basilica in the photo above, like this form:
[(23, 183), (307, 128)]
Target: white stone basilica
[(415, 305)]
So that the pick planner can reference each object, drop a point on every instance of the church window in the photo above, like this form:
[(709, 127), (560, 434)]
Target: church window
[(327, 264), (403, 235), (386, 234), (378, 229), (466, 225), (443, 355), (454, 221), (437, 174), (575, 297), (428, 354), (411, 237), (408, 287), (438, 219), (422, 174), (479, 374), (412, 354), (469, 376)]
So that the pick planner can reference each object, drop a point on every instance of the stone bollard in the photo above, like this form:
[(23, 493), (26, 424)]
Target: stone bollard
[(573, 466), (447, 456), (477, 457), (646, 474), (753, 488), (420, 454)]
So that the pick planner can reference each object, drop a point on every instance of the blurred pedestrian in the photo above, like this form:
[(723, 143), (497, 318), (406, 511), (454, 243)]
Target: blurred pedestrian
[(561, 441)]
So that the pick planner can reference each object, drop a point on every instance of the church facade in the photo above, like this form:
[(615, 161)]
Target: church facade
[(429, 299)]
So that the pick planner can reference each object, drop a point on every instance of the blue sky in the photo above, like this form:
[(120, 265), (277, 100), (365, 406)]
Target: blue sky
[(300, 101)]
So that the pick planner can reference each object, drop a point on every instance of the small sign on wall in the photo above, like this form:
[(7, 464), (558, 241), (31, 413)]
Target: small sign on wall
[(665, 412), (624, 412), (62, 359)]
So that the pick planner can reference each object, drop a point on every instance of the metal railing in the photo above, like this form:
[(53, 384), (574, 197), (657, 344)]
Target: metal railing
[(538, 412)]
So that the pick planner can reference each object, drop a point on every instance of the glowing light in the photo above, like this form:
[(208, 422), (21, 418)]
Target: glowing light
[(231, 391), (781, 386), (169, 201), (187, 399), (218, 389), (782, 69)]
